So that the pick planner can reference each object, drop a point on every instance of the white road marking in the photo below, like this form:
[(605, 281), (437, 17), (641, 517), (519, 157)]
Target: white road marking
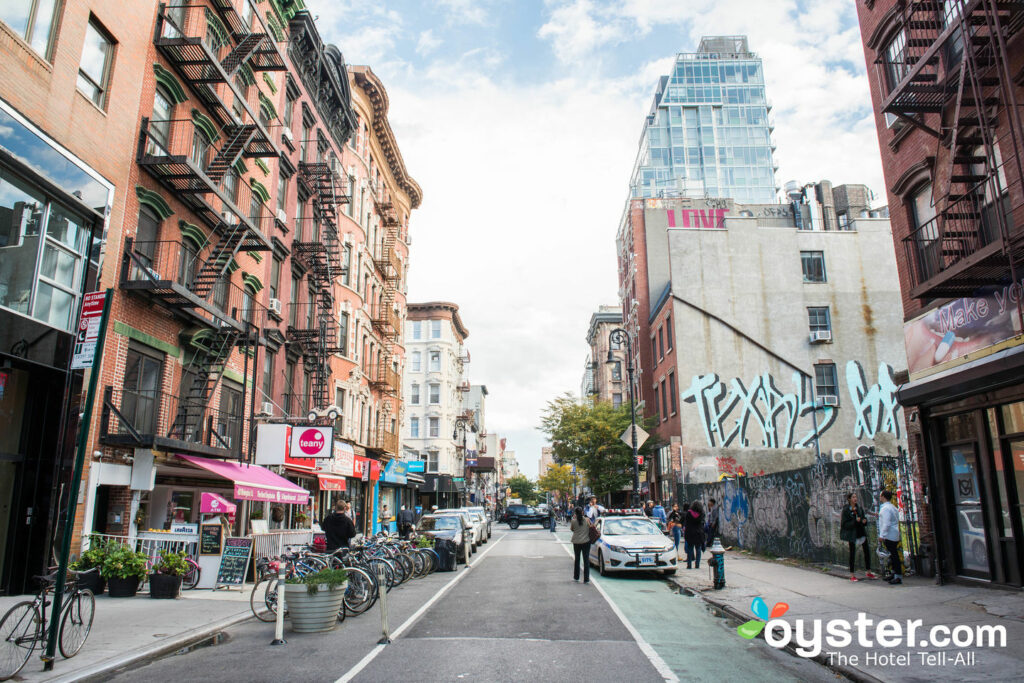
[(645, 647), (372, 654)]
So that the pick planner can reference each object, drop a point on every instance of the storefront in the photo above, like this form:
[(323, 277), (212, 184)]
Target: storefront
[(972, 423), (442, 491), (363, 495), (393, 491)]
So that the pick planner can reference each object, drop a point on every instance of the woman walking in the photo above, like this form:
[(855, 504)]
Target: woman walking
[(693, 533), (853, 530), (580, 528), (675, 525)]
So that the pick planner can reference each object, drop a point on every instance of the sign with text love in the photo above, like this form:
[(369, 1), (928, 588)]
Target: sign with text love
[(312, 442)]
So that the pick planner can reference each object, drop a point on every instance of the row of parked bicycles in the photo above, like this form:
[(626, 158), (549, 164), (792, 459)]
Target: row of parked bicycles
[(381, 561)]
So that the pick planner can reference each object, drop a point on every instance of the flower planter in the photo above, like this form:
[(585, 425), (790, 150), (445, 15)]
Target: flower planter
[(314, 613), (93, 581), (164, 586), (123, 588)]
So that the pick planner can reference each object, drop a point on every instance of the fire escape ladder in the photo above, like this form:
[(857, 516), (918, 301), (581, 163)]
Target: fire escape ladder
[(206, 369), (220, 258), (242, 51), (238, 138)]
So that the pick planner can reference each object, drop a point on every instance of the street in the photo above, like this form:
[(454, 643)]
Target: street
[(514, 615)]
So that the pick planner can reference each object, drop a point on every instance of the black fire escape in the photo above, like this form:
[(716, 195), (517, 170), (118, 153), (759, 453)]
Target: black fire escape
[(952, 80), (385, 320)]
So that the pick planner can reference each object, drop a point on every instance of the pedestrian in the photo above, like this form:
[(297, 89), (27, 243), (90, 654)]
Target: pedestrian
[(385, 518), (594, 510), (693, 533), (658, 513), (675, 526), (853, 530), (551, 518), (889, 532), (711, 527), (406, 521), (648, 508), (338, 527), (580, 528)]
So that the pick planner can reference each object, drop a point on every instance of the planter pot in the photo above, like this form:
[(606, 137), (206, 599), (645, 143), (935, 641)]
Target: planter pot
[(313, 613), (164, 586), (123, 588), (93, 581)]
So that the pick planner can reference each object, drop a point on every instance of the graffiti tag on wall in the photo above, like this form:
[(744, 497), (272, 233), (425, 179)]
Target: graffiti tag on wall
[(728, 411)]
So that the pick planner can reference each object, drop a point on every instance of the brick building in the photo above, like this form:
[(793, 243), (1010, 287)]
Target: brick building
[(945, 83)]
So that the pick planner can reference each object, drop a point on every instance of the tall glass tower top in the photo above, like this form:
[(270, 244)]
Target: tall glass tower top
[(708, 133)]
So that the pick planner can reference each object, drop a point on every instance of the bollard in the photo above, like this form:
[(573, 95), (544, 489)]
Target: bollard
[(279, 623), (718, 564), (465, 549), (382, 586)]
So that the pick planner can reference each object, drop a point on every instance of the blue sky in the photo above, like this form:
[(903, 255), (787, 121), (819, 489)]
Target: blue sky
[(520, 119)]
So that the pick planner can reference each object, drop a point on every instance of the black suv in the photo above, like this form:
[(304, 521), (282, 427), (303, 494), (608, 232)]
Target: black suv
[(524, 514)]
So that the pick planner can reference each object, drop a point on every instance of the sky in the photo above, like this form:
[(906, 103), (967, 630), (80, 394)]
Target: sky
[(520, 119)]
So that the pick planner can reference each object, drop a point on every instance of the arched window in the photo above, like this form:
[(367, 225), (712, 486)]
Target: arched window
[(146, 235), (189, 259), (922, 213), (160, 122)]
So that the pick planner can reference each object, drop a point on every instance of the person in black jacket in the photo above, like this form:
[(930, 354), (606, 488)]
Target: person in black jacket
[(406, 521), (853, 524), (675, 525), (338, 527), (693, 533)]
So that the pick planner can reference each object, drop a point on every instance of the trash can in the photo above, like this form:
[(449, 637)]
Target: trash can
[(446, 551)]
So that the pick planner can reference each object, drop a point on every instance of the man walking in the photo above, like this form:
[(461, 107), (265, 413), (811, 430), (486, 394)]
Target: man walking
[(711, 529), (406, 521), (889, 532), (338, 527)]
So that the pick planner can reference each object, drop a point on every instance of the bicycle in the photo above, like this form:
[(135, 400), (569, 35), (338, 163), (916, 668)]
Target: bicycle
[(25, 624), (191, 578)]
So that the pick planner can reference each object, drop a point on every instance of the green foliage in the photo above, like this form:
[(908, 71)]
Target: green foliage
[(523, 488), (123, 562), (332, 578), (557, 478), (170, 563), (424, 541), (93, 557), (587, 435)]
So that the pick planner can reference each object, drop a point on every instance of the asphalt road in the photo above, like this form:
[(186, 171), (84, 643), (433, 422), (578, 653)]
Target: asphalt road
[(516, 615)]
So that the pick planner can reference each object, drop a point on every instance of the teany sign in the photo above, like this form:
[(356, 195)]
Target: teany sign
[(312, 442)]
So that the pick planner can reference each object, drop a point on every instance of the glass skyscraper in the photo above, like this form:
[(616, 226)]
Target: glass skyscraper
[(708, 133)]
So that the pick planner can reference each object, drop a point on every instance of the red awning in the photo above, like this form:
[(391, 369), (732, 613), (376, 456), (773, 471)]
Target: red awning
[(252, 482), (329, 483)]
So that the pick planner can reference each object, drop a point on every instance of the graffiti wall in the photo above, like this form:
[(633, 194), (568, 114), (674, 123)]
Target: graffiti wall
[(796, 513)]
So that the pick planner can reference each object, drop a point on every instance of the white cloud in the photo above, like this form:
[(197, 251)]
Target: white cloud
[(464, 11), (578, 29), (428, 42)]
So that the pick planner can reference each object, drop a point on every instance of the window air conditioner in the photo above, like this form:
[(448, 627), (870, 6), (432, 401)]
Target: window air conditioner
[(275, 306), (229, 217), (288, 135), (821, 336), (282, 217), (830, 400), (267, 408)]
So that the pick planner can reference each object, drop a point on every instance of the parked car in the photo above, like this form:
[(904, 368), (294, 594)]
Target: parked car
[(486, 517), (481, 519), (632, 543), (524, 514), (476, 528), (452, 527)]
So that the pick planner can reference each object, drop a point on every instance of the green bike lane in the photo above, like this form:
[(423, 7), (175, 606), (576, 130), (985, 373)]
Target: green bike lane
[(694, 642)]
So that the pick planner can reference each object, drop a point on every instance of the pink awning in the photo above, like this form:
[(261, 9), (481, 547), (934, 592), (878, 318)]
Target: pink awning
[(216, 504), (253, 482)]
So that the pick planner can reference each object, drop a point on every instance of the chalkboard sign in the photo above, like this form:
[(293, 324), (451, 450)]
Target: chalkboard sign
[(210, 538), (234, 561)]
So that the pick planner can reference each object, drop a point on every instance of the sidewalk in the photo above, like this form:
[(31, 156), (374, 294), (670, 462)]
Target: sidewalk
[(815, 594), (128, 630)]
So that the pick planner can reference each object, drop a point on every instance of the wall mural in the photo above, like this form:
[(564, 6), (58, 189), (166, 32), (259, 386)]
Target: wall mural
[(727, 411)]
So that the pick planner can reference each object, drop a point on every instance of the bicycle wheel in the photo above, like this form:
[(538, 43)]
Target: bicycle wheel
[(191, 578), (379, 565), (433, 558), (419, 564), (361, 592), (20, 630), (263, 600), (76, 622), (408, 567)]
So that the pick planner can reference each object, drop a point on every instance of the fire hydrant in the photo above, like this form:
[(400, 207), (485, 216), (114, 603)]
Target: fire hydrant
[(718, 564)]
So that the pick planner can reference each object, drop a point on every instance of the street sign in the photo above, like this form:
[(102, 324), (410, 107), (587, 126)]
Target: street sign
[(88, 330), (640, 460), (641, 437)]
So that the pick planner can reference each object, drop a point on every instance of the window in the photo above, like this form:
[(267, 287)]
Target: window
[(617, 371), (432, 458), (304, 142), (282, 191), (94, 71), (813, 263), (289, 100), (417, 329), (417, 357), (661, 342), (32, 20), (414, 427), (293, 303), (343, 333), (435, 394), (146, 236), (825, 383), (435, 329), (616, 400), (200, 148), (896, 66), (414, 397), (930, 260), (140, 398), (844, 221), (275, 277), (160, 123), (668, 334), (654, 348), (818, 319), (435, 428), (230, 418), (435, 361), (289, 377), (346, 263), (672, 391), (664, 407), (657, 417), (268, 376), (230, 184)]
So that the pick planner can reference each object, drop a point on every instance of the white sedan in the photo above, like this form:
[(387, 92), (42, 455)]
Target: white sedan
[(632, 543)]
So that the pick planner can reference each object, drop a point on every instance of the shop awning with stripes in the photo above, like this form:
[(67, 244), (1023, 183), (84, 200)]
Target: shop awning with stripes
[(252, 482)]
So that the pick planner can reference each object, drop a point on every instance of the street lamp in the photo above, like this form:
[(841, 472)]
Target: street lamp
[(620, 336), (462, 423)]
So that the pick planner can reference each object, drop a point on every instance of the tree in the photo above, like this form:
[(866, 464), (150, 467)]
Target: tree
[(557, 478), (522, 488), (587, 435)]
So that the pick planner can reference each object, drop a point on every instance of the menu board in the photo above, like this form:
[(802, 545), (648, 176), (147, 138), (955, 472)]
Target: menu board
[(210, 539), (234, 561)]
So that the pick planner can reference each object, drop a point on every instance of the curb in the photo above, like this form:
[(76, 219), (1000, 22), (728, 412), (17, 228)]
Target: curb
[(103, 670), (738, 618)]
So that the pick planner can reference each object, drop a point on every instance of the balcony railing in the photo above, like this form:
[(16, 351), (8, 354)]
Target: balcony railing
[(167, 270), (153, 419), (386, 319), (385, 441), (387, 262), (181, 156)]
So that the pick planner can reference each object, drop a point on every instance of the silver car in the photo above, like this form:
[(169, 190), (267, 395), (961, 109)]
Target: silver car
[(478, 529), (483, 513)]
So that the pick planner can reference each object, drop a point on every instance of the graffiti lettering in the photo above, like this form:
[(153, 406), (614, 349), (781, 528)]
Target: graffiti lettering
[(875, 406)]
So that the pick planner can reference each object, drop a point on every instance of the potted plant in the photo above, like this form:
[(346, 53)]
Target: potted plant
[(165, 581), (256, 512), (123, 568), (92, 559), (313, 601), (301, 518)]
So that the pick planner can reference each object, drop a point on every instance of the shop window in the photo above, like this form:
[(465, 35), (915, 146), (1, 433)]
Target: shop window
[(94, 70), (140, 390), (959, 428), (34, 21)]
